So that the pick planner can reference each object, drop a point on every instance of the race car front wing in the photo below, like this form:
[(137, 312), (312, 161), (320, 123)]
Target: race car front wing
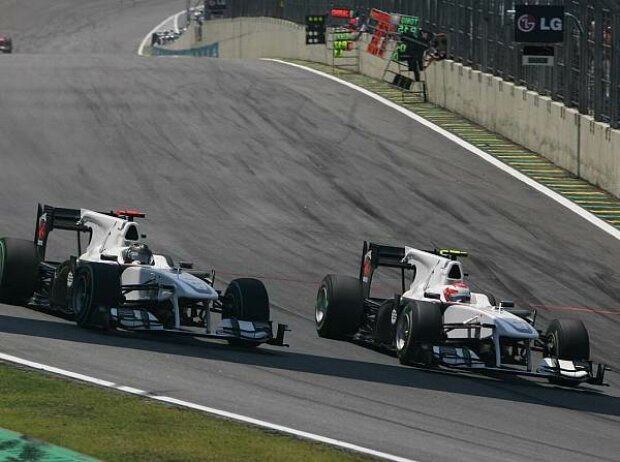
[(252, 331), (463, 358)]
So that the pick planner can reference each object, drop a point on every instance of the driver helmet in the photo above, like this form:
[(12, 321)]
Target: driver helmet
[(138, 254), (456, 293)]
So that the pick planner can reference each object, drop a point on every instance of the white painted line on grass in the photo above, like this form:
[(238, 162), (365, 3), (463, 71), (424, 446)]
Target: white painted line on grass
[(148, 36), (282, 429), (205, 409), (601, 224), (54, 370), (132, 390)]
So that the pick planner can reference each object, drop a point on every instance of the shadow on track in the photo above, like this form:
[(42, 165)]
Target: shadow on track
[(510, 389)]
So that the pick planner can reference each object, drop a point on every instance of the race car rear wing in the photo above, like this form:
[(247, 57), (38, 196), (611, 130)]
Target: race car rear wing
[(383, 255), (50, 218), (392, 256), (375, 255)]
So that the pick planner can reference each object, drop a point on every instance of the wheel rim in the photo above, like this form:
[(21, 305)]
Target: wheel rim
[(402, 331), (2, 252), (234, 306), (80, 296), (553, 346), (322, 304)]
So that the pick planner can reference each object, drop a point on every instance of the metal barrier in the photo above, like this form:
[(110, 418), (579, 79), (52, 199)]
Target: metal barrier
[(586, 72), (210, 51)]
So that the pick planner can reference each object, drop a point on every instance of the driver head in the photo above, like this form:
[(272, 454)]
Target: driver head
[(138, 254), (456, 293)]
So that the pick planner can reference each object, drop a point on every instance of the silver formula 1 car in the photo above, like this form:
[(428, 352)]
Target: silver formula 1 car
[(116, 281), (438, 322), (6, 44)]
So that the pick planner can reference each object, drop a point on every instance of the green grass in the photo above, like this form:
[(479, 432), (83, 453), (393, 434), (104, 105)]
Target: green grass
[(113, 426)]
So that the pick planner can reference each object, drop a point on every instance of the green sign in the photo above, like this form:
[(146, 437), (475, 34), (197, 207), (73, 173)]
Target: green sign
[(409, 20), (340, 46), (16, 447), (408, 28), (347, 36), (409, 25), (400, 52), (342, 42)]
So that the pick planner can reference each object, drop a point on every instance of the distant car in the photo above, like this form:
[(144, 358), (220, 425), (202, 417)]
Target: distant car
[(115, 281), (6, 44), (438, 322)]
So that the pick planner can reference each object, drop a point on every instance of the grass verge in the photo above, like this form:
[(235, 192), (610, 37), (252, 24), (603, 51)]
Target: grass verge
[(113, 427)]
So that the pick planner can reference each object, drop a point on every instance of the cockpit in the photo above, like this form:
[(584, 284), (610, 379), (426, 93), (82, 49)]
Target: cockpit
[(138, 254)]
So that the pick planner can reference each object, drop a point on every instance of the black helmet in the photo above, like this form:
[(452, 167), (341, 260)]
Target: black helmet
[(139, 253)]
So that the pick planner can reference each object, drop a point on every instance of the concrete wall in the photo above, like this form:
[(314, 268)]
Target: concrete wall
[(523, 116), (261, 38), (600, 154), (569, 139), (269, 38)]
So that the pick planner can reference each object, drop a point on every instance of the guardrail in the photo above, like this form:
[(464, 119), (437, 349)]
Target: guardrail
[(586, 72), (208, 51)]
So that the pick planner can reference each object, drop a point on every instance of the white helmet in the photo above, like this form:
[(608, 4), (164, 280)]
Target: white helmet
[(138, 254)]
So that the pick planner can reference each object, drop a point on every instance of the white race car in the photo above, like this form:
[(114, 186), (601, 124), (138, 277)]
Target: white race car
[(438, 321), (116, 281)]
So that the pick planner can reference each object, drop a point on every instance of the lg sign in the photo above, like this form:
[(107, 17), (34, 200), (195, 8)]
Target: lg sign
[(539, 23), (526, 23)]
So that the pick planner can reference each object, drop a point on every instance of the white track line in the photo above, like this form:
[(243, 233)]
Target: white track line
[(147, 37), (208, 410), (175, 23), (606, 227)]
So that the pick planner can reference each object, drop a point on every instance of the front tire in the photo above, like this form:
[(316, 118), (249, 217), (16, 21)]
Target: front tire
[(418, 328), (246, 299), (95, 289), (339, 307), (19, 270), (567, 339)]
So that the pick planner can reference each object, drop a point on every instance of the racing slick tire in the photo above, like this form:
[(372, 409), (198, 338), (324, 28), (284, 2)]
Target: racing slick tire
[(567, 339), (418, 328), (19, 270), (246, 299), (95, 288), (339, 307)]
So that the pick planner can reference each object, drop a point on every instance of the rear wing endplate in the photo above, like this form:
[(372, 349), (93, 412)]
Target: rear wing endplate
[(50, 218)]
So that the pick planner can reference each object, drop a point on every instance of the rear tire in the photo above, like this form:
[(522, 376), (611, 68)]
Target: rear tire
[(95, 289), (19, 270), (246, 300), (419, 327), (567, 339), (339, 307)]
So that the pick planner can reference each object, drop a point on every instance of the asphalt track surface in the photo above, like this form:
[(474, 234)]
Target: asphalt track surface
[(256, 168)]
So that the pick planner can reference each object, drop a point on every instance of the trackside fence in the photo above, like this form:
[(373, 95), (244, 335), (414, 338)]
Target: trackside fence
[(586, 71)]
